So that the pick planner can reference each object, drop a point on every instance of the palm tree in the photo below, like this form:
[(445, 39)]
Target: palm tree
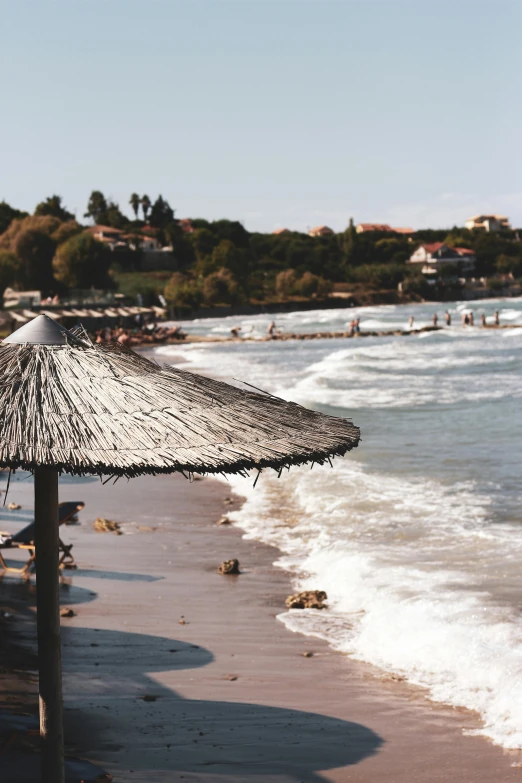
[(145, 205), (135, 202)]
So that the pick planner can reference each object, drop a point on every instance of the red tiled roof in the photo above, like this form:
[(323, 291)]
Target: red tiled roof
[(281, 231), (321, 229), (103, 230), (404, 230), (432, 247), (464, 251)]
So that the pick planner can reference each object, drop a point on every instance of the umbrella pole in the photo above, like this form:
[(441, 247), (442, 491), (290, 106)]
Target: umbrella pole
[(48, 624)]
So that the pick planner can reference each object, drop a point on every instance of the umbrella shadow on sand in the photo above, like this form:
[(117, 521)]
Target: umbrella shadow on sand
[(120, 716)]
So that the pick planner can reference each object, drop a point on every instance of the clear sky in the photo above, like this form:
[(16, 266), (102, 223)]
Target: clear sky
[(277, 113)]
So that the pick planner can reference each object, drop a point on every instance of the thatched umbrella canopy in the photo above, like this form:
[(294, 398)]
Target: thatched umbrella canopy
[(69, 406)]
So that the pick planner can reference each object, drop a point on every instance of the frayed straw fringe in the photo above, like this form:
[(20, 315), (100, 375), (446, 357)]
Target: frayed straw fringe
[(109, 411)]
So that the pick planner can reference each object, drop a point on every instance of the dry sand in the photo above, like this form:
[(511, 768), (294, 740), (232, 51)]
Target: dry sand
[(228, 695)]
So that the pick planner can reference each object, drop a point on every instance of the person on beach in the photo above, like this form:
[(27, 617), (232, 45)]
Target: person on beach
[(412, 319), (435, 319), (497, 319), (447, 318), (235, 331), (465, 319), (356, 326), (271, 329), (483, 319), (471, 320)]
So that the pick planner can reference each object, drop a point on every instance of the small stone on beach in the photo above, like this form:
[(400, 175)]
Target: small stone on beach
[(66, 612), (182, 620), (102, 525), (307, 654), (308, 599), (13, 506), (229, 567), (231, 677), (149, 697), (224, 520)]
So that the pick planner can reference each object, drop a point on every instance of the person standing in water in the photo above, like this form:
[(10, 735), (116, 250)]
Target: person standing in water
[(497, 320), (447, 318), (412, 319), (471, 319), (435, 319), (483, 319)]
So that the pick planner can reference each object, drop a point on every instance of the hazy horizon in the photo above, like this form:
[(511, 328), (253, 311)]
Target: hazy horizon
[(273, 113)]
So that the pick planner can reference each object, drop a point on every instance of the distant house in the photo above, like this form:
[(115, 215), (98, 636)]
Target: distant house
[(320, 231), (362, 228), (435, 255), (106, 234), (136, 242), (14, 298), (281, 231), (488, 222)]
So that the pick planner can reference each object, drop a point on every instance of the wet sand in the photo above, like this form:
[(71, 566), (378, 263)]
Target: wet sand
[(227, 695)]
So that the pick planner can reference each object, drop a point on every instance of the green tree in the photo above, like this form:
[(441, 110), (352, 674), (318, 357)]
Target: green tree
[(227, 255), (53, 206), (204, 242), (313, 285), (47, 225), (8, 214), (97, 207), (82, 262), (378, 276), (505, 265), (135, 202), (66, 230), (181, 291), (35, 250), (161, 214), (348, 240), (285, 283), (145, 206), (9, 270), (182, 248), (114, 217), (233, 231), (222, 287)]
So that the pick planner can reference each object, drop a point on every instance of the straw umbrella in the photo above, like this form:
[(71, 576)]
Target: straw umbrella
[(69, 406)]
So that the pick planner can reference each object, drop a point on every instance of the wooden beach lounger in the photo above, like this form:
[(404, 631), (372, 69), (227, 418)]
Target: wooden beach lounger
[(24, 539)]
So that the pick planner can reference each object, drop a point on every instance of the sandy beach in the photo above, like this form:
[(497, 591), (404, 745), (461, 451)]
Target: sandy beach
[(226, 694)]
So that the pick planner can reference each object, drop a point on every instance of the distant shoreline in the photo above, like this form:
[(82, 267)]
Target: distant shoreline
[(369, 299)]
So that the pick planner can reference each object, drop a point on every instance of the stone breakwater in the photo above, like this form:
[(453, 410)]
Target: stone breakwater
[(328, 335)]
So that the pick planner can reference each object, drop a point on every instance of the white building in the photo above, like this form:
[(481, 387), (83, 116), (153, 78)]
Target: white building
[(488, 222), (434, 255)]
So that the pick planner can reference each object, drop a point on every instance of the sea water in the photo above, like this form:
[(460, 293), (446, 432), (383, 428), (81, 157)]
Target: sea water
[(416, 536)]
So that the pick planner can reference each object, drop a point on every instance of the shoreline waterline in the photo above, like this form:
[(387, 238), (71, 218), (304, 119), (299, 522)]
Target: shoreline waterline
[(228, 694)]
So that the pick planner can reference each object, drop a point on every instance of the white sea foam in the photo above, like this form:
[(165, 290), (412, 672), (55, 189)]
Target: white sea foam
[(393, 557)]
